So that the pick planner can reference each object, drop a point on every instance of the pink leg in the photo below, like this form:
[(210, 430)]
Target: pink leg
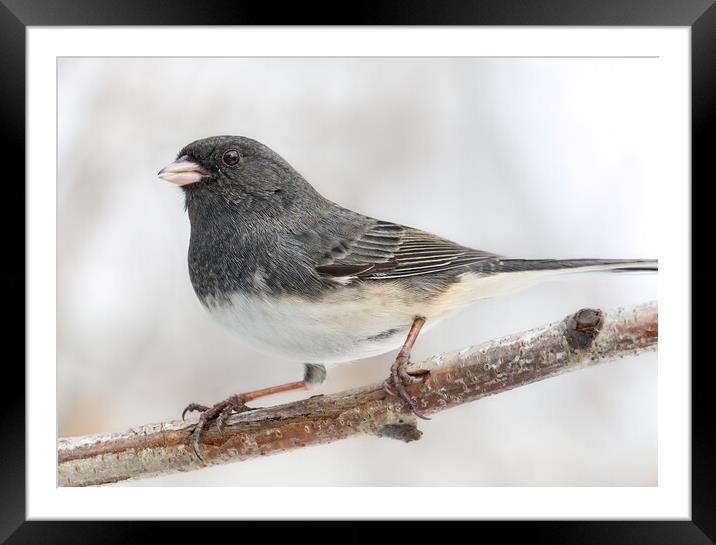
[(234, 404), (399, 376)]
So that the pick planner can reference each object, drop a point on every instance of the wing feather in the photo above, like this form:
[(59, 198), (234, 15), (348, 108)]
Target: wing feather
[(362, 247)]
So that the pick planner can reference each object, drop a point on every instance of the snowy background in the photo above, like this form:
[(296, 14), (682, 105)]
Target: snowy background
[(524, 157)]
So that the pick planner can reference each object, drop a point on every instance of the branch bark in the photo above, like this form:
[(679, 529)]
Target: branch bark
[(582, 339)]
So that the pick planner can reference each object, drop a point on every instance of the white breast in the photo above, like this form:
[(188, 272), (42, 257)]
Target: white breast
[(348, 324), (314, 332)]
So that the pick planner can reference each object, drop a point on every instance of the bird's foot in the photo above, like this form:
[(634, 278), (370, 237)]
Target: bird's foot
[(218, 413), (399, 377)]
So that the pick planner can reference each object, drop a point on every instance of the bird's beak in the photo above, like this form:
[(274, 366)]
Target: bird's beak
[(183, 172)]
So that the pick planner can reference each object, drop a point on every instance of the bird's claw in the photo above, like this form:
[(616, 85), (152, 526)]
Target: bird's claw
[(398, 378), (219, 412), (235, 405), (193, 407)]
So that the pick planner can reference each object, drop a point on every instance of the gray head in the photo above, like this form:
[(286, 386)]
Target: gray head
[(240, 173)]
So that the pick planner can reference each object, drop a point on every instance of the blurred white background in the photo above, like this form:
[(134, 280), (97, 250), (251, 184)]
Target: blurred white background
[(524, 157)]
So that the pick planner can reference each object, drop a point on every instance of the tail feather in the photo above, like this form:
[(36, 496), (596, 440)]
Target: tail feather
[(576, 265), (489, 282)]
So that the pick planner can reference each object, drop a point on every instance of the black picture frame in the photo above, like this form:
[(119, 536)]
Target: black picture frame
[(16, 15)]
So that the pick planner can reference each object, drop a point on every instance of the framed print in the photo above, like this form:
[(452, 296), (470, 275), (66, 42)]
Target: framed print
[(343, 187)]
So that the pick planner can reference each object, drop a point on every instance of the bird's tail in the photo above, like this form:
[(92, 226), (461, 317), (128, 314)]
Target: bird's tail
[(576, 265), (503, 276)]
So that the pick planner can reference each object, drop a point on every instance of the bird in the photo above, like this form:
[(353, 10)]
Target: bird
[(296, 274)]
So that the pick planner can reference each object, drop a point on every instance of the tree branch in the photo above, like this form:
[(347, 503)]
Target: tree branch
[(582, 339)]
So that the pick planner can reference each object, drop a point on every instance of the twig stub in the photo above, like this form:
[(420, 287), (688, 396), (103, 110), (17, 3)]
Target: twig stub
[(583, 327), (403, 432)]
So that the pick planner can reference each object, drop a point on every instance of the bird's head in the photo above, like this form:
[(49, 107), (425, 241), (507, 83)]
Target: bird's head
[(242, 171)]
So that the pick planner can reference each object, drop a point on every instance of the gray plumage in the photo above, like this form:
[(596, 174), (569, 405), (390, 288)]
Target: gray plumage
[(259, 230)]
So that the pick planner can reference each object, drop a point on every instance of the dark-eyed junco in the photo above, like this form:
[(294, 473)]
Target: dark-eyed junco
[(295, 273)]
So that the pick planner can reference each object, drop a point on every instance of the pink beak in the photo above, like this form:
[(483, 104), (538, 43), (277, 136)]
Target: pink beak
[(183, 172)]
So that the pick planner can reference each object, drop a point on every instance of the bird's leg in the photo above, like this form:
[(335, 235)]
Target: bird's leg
[(233, 404), (314, 374), (395, 383)]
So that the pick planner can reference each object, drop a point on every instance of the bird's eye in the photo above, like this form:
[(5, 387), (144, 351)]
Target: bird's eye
[(230, 157)]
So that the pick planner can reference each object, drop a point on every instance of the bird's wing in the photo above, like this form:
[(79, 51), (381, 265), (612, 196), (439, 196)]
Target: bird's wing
[(350, 245)]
